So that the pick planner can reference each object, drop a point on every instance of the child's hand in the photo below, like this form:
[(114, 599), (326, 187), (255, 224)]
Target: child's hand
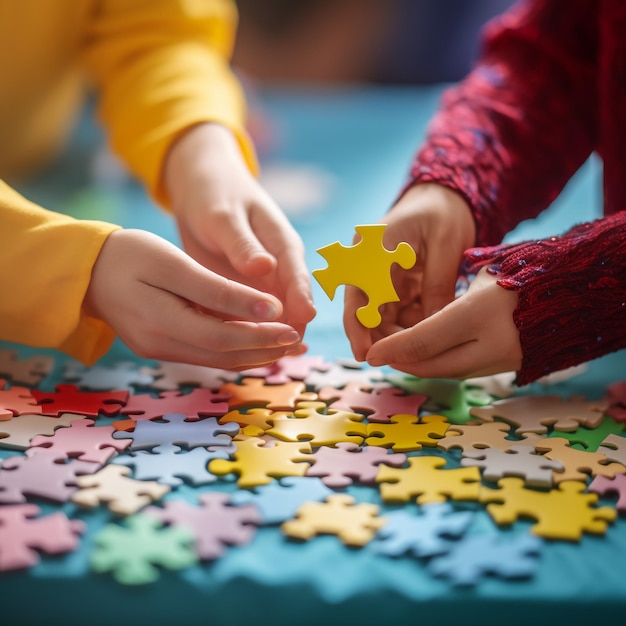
[(439, 225), (473, 336), (229, 224), (165, 306)]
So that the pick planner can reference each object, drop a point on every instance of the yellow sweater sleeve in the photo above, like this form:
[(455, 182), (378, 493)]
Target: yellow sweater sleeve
[(160, 67), (45, 268)]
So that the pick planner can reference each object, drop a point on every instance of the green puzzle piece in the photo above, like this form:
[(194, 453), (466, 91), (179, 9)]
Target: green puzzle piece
[(590, 439)]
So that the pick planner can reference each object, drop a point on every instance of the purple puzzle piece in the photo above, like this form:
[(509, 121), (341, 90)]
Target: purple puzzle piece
[(39, 474), (379, 404), (175, 429), (279, 500), (123, 375), (168, 464), (215, 523), (288, 369), (347, 462)]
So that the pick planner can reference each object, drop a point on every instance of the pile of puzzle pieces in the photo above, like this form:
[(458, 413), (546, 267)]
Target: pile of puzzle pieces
[(282, 447)]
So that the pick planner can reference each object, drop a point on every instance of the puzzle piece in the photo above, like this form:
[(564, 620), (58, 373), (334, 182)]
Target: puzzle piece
[(279, 500), (22, 533), (111, 485), (168, 464), (169, 376), (257, 417), (17, 432), (366, 265), (16, 400), (354, 524), (347, 463), (176, 429), (406, 433), (39, 475), (320, 426), (215, 524), (82, 440), (478, 555), (518, 460), (344, 371), (589, 439), (131, 552), (426, 479), (564, 513), (378, 404), (253, 392), (495, 385), (423, 535), (123, 375), (603, 486), (614, 448), (578, 464), (536, 413), (616, 396), (288, 369), (28, 371), (477, 436), (257, 462), (69, 399)]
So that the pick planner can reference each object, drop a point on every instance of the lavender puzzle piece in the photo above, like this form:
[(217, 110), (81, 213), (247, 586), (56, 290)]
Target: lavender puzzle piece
[(288, 369), (174, 429), (347, 462), (424, 535), (123, 375), (478, 555), (279, 500), (344, 371), (168, 464), (39, 474), (215, 524), (16, 434), (168, 376)]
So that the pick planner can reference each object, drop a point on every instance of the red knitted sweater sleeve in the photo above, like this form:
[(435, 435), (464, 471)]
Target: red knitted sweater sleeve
[(572, 293)]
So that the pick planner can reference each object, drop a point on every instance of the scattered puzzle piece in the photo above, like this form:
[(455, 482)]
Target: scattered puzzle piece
[(603, 486), (320, 426), (131, 552), (257, 462), (479, 555), (253, 392), (496, 385), (82, 440), (22, 534), (279, 500), (426, 480), (614, 448), (17, 433), (406, 433), (257, 417), (354, 524), (112, 485), (589, 439), (366, 265), (477, 436), (423, 535), (518, 460), (378, 404), (28, 371), (616, 396), (344, 371), (168, 464), (169, 376), (288, 369), (564, 513), (176, 429), (123, 375), (215, 523), (16, 400), (69, 399), (536, 413), (347, 463)]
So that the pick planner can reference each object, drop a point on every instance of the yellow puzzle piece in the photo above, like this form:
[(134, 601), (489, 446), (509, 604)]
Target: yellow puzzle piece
[(366, 265)]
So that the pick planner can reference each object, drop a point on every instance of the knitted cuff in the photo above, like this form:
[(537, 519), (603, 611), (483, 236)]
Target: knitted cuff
[(572, 294)]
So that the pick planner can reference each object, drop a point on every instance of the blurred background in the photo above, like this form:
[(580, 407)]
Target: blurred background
[(404, 42)]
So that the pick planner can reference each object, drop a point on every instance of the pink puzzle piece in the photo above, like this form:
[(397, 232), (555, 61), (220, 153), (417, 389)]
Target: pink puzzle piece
[(288, 369), (603, 486), (347, 463), (28, 371), (69, 399), (616, 393), (16, 400), (22, 533), (215, 523), (82, 440), (379, 404), (39, 474)]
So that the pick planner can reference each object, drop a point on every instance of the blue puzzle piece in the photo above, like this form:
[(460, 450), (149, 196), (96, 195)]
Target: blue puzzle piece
[(123, 375), (280, 500), (174, 429), (495, 554), (422, 535), (168, 464)]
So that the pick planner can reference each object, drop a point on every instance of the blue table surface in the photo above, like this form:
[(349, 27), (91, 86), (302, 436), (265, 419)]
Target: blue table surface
[(363, 138)]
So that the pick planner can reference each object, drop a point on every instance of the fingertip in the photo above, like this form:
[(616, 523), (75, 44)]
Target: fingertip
[(257, 264)]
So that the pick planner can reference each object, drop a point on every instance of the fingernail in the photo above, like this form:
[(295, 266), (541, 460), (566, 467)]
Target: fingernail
[(286, 339), (264, 310)]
